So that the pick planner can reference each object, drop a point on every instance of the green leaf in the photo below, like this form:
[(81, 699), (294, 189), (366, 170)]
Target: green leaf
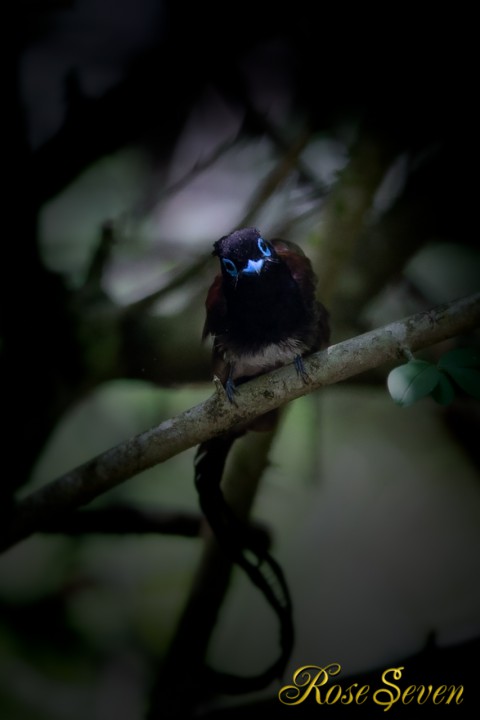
[(412, 381), (468, 379), (463, 366), (443, 393), (460, 357)]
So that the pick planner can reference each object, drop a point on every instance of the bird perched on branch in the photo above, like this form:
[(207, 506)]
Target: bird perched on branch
[(262, 312), (261, 309)]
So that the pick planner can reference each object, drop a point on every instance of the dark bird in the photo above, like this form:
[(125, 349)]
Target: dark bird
[(262, 312)]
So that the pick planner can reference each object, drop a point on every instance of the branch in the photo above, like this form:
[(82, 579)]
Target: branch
[(261, 196), (101, 257), (275, 178), (216, 415), (346, 210), (177, 281), (208, 590), (124, 520)]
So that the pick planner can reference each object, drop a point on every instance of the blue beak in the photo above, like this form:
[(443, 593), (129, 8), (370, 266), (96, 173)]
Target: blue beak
[(253, 266)]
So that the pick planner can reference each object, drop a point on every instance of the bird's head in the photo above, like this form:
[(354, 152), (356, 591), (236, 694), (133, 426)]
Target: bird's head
[(244, 254)]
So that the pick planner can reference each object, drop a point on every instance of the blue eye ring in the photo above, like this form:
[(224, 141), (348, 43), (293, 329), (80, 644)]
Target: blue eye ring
[(230, 267), (263, 247)]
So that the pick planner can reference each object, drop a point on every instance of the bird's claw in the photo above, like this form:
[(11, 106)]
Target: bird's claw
[(218, 385), (300, 368), (230, 390)]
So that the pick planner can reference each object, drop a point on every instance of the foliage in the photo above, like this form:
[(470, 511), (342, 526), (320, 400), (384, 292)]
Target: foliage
[(457, 370)]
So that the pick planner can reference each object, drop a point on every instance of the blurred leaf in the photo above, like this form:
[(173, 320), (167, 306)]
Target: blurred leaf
[(412, 381), (468, 379), (460, 357), (445, 270), (463, 366), (443, 393)]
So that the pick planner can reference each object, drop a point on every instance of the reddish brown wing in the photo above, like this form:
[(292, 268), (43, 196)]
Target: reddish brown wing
[(302, 272), (215, 324), (216, 308), (300, 267)]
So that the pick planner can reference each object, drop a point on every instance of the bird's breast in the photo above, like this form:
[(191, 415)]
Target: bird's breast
[(264, 359)]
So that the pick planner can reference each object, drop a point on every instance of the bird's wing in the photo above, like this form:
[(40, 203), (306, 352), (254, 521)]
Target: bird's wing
[(216, 307)]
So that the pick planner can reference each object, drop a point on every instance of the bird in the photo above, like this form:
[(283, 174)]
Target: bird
[(262, 309), (263, 313)]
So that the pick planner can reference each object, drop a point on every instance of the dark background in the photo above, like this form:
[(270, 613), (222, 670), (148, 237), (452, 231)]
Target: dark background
[(137, 134)]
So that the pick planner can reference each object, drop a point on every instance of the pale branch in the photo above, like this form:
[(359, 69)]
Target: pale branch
[(216, 415)]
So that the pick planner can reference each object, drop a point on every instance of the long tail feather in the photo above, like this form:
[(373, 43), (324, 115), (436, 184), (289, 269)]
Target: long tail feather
[(244, 549)]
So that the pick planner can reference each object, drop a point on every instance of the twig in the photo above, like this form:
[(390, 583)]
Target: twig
[(262, 194), (101, 256), (176, 692), (319, 188), (346, 210), (217, 415), (199, 167), (275, 177), (176, 282), (125, 520), (265, 190)]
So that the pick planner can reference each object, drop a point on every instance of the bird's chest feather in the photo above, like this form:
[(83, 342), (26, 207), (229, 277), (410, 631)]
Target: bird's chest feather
[(265, 358), (264, 313)]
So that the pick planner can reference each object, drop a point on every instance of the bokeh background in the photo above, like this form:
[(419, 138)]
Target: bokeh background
[(140, 132)]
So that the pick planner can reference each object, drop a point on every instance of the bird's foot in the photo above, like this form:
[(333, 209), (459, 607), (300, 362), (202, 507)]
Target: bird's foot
[(218, 385), (300, 368), (230, 390)]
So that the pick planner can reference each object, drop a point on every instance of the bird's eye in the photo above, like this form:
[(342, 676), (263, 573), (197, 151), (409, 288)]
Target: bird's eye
[(263, 247), (230, 267)]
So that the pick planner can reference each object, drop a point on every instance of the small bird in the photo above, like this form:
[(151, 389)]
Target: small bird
[(263, 313), (261, 309)]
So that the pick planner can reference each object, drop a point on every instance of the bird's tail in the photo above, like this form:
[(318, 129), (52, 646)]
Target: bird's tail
[(246, 550)]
